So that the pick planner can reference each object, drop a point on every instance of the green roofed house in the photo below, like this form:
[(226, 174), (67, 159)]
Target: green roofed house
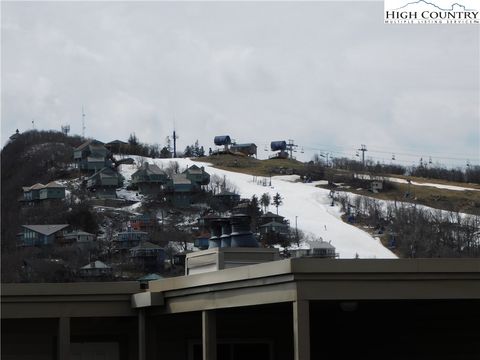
[(38, 235), (274, 227), (104, 183), (271, 217), (150, 179), (52, 190), (117, 146), (91, 155), (130, 238), (95, 269), (226, 199), (149, 256), (197, 175), (39, 192), (81, 238), (181, 190)]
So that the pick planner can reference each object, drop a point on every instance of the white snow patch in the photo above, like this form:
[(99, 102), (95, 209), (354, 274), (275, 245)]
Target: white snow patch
[(438, 186)]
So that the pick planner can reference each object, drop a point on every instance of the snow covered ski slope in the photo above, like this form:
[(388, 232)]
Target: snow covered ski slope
[(309, 204)]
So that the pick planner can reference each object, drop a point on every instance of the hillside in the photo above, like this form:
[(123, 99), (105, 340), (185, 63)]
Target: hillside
[(322, 203), (304, 203)]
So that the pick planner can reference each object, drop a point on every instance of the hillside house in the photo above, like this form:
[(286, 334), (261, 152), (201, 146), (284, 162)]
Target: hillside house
[(81, 238), (39, 235), (32, 193), (91, 156), (274, 227), (249, 149), (150, 179), (149, 256), (52, 190), (130, 238), (197, 175), (181, 190), (104, 183), (376, 186), (226, 199), (318, 249), (144, 222), (96, 270), (271, 217), (117, 146), (40, 192), (14, 136)]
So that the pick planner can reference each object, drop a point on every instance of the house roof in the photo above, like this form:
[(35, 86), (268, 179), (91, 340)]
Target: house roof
[(96, 265), (149, 169), (274, 223), (194, 169), (53, 185), (46, 229), (92, 143), (105, 172), (179, 179), (114, 142), (271, 215), (320, 245), (37, 186)]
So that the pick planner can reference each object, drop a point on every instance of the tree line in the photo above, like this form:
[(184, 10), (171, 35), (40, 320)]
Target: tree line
[(471, 174), (413, 230)]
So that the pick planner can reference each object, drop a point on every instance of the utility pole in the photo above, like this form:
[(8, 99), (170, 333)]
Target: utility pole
[(363, 149), (175, 137), (291, 147), (296, 231)]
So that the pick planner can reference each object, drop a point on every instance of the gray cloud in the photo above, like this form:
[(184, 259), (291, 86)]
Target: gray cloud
[(330, 75)]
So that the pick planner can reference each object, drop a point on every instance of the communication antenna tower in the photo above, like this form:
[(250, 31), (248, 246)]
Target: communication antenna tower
[(65, 129), (83, 122)]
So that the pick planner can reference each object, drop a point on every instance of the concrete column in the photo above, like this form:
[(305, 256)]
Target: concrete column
[(209, 335), (301, 330), (141, 335), (63, 338)]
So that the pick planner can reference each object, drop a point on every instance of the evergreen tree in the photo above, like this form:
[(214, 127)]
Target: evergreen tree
[(165, 153), (265, 201), (188, 152), (277, 201), (254, 212)]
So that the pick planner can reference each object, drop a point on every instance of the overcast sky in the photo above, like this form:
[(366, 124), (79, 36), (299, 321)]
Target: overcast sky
[(329, 75)]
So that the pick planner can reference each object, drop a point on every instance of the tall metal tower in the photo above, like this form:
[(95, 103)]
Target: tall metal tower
[(291, 147), (363, 149), (83, 122), (65, 129)]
